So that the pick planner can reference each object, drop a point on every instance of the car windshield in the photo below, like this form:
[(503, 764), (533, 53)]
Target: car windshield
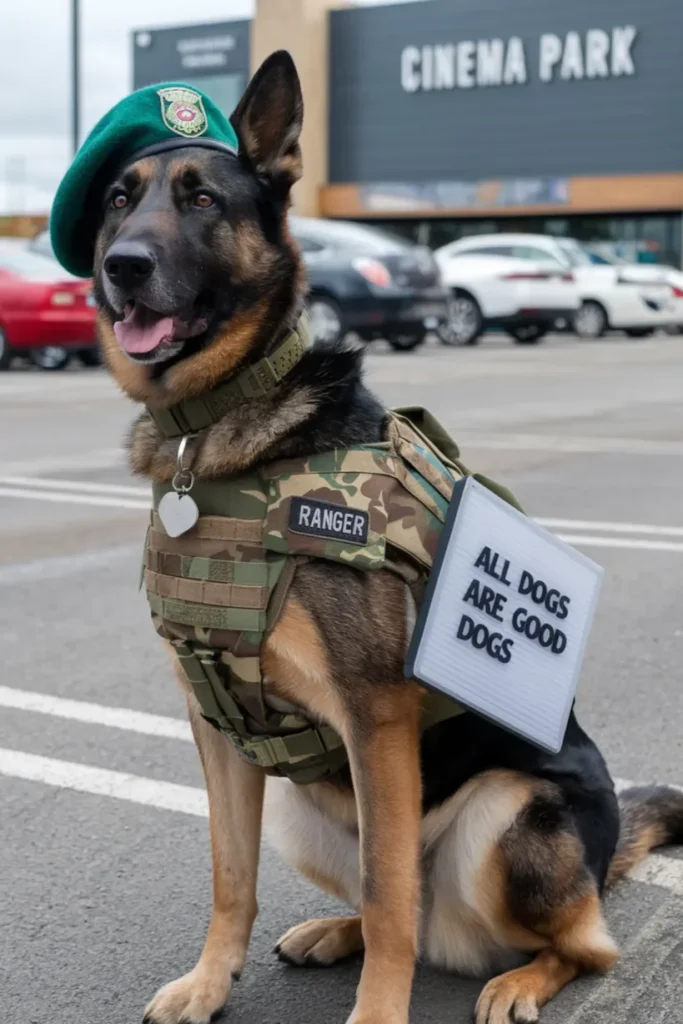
[(346, 235), (30, 265), (575, 253)]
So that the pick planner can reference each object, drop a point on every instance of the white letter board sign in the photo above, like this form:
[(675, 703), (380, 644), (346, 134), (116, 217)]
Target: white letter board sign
[(506, 617)]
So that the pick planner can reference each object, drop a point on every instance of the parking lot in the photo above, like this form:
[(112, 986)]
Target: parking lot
[(104, 859)]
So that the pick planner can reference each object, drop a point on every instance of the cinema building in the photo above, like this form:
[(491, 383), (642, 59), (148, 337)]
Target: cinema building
[(449, 117)]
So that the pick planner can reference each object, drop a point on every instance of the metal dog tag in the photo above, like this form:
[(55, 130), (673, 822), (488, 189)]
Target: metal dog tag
[(178, 512)]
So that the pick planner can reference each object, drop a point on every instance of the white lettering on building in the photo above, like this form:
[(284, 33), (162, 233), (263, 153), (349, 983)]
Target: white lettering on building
[(410, 74), (444, 67), (572, 59), (205, 51), (597, 52), (515, 63), (467, 65), (494, 62), (622, 43), (551, 54), (490, 55)]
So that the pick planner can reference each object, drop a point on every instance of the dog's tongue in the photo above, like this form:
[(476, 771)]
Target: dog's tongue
[(142, 330)]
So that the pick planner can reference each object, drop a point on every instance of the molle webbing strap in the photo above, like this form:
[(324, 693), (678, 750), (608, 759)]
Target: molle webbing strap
[(306, 755), (225, 595), (216, 570), (249, 531), (207, 616), (256, 381)]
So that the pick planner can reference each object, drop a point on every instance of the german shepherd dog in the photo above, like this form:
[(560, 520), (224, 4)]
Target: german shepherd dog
[(463, 844)]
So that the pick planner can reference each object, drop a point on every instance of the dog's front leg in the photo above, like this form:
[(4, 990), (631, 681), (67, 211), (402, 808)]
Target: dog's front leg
[(235, 789), (383, 743)]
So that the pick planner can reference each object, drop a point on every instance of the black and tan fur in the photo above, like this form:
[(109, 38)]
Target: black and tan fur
[(466, 845)]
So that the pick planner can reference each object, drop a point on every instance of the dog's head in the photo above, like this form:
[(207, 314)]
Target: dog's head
[(194, 266)]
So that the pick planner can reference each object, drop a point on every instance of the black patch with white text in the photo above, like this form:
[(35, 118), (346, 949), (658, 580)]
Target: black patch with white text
[(333, 522)]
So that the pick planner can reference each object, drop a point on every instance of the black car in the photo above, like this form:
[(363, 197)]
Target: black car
[(370, 282)]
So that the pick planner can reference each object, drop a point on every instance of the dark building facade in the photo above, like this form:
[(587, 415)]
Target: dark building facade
[(448, 117), (214, 57)]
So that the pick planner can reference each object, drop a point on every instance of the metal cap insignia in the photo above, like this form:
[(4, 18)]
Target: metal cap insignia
[(183, 112)]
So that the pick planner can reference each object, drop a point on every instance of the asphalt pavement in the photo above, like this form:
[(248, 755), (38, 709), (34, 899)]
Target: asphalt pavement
[(104, 857)]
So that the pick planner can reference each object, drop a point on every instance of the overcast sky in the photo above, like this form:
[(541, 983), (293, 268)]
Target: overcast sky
[(35, 82)]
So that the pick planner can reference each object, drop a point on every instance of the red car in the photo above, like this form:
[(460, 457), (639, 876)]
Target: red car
[(45, 313)]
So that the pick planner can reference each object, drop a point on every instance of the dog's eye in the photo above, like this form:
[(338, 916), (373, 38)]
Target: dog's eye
[(203, 200), (119, 200)]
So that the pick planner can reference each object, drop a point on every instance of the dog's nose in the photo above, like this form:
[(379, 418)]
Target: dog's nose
[(129, 264)]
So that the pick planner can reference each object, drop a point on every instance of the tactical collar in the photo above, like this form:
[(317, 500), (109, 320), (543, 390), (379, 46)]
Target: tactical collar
[(255, 381)]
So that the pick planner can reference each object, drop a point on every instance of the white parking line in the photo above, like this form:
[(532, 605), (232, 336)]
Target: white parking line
[(81, 486), (664, 872), (568, 445), (100, 458), (95, 714), (624, 543), (101, 495), (661, 871), (122, 490), (589, 524), (142, 722), (166, 796), (99, 500)]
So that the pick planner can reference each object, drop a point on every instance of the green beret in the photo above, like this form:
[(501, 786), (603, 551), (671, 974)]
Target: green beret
[(151, 120)]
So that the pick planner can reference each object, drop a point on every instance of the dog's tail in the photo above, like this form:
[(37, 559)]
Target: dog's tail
[(650, 816)]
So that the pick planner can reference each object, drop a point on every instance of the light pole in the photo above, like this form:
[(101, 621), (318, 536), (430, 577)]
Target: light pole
[(75, 74)]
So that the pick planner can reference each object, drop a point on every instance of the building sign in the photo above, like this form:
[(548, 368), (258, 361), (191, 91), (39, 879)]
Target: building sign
[(204, 55), (504, 624), (207, 52), (468, 64)]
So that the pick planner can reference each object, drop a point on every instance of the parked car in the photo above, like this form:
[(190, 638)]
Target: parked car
[(673, 275), (524, 297), (45, 313), (370, 282), (629, 297), (42, 244)]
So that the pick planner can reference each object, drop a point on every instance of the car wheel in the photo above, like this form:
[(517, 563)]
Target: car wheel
[(639, 332), (51, 357), (528, 334), (591, 320), (467, 322), (325, 320), (6, 353), (406, 342), (90, 356)]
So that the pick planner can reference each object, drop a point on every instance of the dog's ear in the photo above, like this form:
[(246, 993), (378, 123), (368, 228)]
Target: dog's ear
[(268, 121)]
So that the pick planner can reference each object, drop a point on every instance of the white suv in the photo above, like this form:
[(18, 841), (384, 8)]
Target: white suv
[(633, 298), (519, 288)]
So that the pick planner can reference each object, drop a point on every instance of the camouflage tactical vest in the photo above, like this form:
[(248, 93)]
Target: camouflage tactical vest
[(216, 591)]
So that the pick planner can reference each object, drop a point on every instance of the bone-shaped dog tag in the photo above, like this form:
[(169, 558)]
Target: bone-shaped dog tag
[(178, 512)]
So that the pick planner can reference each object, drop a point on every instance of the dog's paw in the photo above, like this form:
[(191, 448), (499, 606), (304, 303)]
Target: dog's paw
[(194, 999), (322, 942), (507, 999)]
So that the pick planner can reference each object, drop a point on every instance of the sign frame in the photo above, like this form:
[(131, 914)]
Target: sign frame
[(449, 535)]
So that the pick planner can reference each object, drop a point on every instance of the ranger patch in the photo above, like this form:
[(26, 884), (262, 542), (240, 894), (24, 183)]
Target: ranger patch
[(323, 519), (183, 111)]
